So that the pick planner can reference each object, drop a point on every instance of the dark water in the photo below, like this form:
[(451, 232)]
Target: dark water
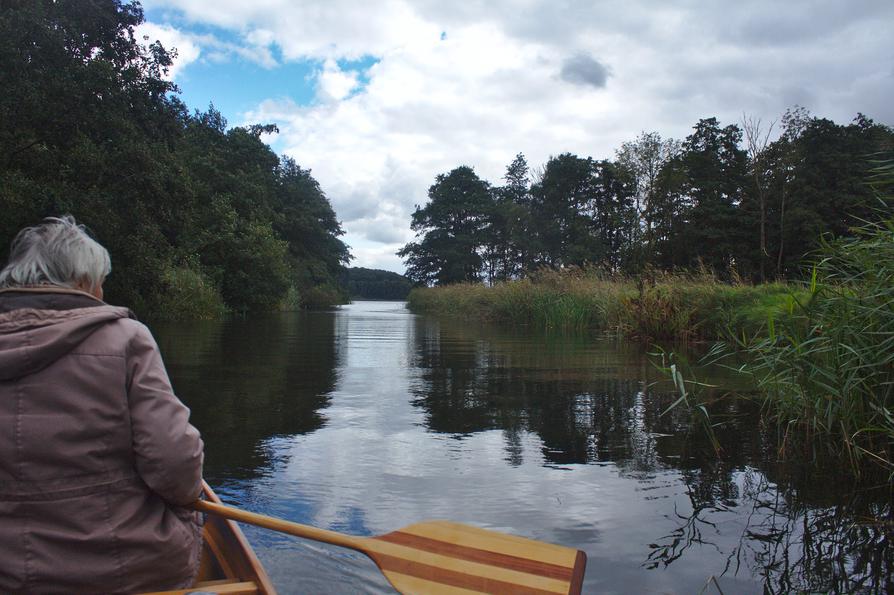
[(368, 418)]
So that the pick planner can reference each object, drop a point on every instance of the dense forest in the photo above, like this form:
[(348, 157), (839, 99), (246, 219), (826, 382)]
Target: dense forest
[(199, 218), (727, 199), (375, 284)]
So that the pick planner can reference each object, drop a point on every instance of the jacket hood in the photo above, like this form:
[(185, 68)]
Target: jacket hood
[(31, 339)]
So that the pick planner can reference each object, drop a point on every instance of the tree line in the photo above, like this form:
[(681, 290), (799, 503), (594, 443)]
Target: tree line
[(375, 284), (198, 217), (726, 198)]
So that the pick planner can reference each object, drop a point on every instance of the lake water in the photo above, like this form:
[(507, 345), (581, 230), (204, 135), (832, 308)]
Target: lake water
[(368, 418)]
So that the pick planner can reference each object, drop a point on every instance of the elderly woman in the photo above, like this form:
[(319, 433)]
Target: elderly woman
[(97, 456)]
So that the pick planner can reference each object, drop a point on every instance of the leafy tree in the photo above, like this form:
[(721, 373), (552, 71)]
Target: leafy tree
[(614, 215), (305, 219), (665, 217), (706, 201), (451, 230), (716, 169), (757, 145), (583, 210), (89, 126), (83, 116), (376, 284), (642, 160), (817, 185), (507, 253), (558, 199)]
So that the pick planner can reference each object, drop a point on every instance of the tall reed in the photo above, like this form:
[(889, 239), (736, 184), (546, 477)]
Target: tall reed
[(570, 300), (681, 306), (827, 371), (663, 306)]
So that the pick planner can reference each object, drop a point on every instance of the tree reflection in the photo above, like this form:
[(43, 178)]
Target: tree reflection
[(792, 543), (587, 401), (247, 381), (590, 402)]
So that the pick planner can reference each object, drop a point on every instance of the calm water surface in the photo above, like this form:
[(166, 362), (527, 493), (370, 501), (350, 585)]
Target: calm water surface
[(368, 418)]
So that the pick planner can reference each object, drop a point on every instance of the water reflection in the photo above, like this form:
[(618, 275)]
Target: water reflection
[(247, 380), (587, 400), (367, 418), (784, 542)]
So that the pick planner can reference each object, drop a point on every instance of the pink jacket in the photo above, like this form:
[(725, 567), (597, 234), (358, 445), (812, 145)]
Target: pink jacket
[(97, 455)]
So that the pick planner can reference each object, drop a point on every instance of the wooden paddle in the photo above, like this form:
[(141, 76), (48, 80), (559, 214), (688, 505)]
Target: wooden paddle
[(444, 557)]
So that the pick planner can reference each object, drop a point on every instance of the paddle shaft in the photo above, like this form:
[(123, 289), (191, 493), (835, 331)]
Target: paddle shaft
[(296, 529), (445, 558)]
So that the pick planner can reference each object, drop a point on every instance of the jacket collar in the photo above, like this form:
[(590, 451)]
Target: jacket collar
[(49, 289), (46, 297)]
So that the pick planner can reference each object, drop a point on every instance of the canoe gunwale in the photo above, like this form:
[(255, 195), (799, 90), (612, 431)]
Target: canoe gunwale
[(231, 550)]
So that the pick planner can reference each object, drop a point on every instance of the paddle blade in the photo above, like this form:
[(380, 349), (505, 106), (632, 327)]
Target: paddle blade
[(445, 557)]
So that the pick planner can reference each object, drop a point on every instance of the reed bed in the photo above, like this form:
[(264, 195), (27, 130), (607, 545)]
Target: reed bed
[(568, 301), (659, 307)]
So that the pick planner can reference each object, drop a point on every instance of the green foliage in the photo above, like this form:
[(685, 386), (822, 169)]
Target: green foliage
[(583, 209), (715, 169), (643, 161), (827, 372), (507, 250), (662, 204), (451, 230), (322, 296), (699, 307), (375, 284), (189, 294), (815, 184), (255, 275), (305, 219), (672, 307), (188, 209)]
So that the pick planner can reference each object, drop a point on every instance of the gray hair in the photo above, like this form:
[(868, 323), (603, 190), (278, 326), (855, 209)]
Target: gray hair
[(56, 252)]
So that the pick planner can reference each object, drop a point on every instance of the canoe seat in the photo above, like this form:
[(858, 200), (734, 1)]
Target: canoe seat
[(212, 583), (224, 587)]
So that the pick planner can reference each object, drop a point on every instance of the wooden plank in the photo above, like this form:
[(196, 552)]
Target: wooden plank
[(232, 550), (471, 554), (223, 581), (469, 536), (468, 578), (413, 584), (229, 588), (425, 564)]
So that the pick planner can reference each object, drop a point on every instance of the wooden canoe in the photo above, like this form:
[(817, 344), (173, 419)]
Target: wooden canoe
[(229, 565)]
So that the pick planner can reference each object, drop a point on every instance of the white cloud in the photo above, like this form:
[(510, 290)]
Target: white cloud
[(256, 48), (332, 29), (187, 50), (494, 86), (335, 84), (191, 47)]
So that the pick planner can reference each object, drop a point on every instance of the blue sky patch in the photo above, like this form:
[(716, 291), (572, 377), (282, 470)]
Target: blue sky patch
[(237, 86), (234, 83)]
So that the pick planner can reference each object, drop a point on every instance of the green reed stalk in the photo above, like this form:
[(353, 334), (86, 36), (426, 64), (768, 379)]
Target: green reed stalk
[(666, 307), (828, 371)]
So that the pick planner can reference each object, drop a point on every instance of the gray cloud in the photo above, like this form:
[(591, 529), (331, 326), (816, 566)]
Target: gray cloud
[(353, 205), (584, 70), (484, 93), (382, 230)]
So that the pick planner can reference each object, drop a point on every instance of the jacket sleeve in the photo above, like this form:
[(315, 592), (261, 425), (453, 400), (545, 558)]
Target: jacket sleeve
[(168, 450)]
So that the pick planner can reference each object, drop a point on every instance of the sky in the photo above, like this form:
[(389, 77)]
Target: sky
[(377, 98)]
